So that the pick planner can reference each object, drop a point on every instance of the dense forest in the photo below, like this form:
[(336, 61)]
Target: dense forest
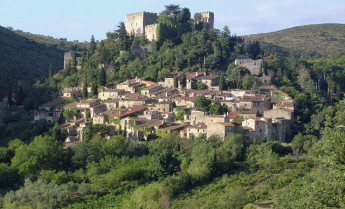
[(173, 171)]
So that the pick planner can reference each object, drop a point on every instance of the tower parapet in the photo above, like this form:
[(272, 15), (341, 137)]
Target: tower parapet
[(207, 18), (136, 22)]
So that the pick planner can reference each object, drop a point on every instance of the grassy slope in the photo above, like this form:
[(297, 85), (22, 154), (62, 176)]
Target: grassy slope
[(309, 41)]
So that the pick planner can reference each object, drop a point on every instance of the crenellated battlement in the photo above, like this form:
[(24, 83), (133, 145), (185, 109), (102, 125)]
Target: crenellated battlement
[(151, 26), (137, 14)]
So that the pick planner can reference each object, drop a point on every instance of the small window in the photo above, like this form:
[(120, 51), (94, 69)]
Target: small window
[(260, 130)]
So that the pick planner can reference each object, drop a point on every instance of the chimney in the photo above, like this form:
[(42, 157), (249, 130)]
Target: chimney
[(196, 74)]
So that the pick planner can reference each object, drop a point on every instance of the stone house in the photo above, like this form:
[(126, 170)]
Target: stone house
[(211, 81), (100, 119), (112, 104), (287, 104), (148, 91), (196, 130), (279, 113), (50, 111), (261, 128), (110, 94), (72, 92), (220, 129), (190, 79), (258, 102), (131, 86), (254, 66), (196, 117), (98, 109), (163, 107)]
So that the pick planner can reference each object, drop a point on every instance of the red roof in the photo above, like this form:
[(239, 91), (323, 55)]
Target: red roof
[(233, 115)]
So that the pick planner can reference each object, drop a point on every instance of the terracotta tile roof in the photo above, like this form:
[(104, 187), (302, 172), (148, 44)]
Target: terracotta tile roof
[(233, 115)]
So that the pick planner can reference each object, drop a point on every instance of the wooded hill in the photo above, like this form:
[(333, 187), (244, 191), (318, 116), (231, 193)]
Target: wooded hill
[(309, 41), (25, 56)]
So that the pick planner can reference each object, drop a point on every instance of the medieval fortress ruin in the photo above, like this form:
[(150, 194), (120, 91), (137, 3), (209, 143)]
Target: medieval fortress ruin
[(146, 22)]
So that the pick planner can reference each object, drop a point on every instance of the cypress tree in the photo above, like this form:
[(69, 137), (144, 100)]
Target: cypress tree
[(84, 92)]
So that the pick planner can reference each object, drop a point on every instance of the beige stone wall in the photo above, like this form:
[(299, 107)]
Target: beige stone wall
[(208, 19), (197, 117), (151, 32), (136, 22), (253, 66), (209, 119), (195, 132), (263, 130), (278, 113)]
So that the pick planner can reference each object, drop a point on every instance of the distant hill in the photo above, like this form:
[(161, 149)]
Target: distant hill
[(25, 56), (309, 41)]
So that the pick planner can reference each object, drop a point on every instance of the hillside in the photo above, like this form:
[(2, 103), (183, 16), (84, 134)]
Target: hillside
[(310, 41), (25, 59)]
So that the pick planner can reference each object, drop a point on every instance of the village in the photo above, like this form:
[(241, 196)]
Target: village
[(141, 109)]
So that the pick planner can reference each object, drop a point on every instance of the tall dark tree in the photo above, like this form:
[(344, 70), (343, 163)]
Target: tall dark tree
[(254, 50), (20, 96), (222, 84), (172, 10), (93, 45), (94, 89), (183, 80), (84, 92), (9, 98), (102, 77), (122, 38), (184, 16)]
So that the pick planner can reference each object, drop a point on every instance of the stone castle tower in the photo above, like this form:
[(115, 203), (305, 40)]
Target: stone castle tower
[(207, 18), (136, 22)]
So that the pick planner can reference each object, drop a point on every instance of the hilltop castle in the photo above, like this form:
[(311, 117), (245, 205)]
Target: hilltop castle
[(145, 22)]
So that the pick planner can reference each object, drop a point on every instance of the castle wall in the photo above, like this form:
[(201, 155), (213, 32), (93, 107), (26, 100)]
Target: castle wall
[(253, 66), (151, 32)]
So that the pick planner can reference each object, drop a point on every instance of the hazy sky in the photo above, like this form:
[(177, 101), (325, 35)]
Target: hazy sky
[(79, 19)]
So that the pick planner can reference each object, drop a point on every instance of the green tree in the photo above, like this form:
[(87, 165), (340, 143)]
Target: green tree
[(93, 45), (70, 114), (42, 153), (202, 103), (102, 77), (94, 89), (20, 96), (217, 109), (84, 91), (222, 84)]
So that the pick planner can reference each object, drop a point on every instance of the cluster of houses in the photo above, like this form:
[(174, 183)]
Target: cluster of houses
[(141, 108)]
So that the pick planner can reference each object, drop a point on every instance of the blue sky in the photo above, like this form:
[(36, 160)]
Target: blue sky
[(79, 19)]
